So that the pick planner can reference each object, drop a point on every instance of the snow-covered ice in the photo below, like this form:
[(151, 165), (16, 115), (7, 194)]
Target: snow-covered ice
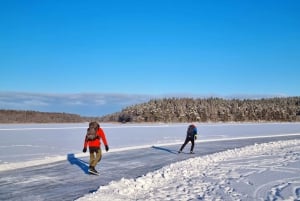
[(262, 170), (268, 171)]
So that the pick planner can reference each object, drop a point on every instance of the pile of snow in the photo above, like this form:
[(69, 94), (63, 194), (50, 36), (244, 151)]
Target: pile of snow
[(268, 171)]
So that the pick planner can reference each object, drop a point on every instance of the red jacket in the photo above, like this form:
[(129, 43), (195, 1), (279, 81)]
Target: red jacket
[(96, 143)]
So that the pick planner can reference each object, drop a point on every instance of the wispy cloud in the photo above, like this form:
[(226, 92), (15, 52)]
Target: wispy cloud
[(91, 104), (87, 104)]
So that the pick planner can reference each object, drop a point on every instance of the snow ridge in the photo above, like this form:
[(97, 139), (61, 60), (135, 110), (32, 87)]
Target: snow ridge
[(259, 172)]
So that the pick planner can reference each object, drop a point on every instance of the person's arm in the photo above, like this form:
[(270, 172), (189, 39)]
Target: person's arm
[(85, 144), (103, 138)]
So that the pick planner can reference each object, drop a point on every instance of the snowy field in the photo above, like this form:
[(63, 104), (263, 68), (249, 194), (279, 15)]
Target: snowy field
[(232, 161)]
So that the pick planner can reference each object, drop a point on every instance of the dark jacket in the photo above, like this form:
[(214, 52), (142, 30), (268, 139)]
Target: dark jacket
[(191, 132)]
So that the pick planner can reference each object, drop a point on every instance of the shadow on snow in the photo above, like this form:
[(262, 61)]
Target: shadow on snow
[(80, 163), (165, 149)]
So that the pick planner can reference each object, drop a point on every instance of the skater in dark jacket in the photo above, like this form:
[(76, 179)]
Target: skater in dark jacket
[(191, 135), (94, 145)]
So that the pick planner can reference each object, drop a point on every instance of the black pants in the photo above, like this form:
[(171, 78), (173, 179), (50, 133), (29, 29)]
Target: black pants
[(187, 141)]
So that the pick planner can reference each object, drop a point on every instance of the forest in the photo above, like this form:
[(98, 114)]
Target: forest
[(25, 116), (178, 110), (210, 110)]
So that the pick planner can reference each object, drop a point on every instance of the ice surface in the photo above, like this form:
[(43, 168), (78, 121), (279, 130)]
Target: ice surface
[(222, 168)]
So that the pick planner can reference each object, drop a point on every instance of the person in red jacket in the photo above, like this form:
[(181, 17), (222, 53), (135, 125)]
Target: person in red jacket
[(94, 145)]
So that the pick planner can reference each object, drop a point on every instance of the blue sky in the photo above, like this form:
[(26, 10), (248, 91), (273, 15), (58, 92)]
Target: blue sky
[(149, 48)]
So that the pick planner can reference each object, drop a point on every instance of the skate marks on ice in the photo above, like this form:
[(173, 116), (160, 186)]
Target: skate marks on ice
[(266, 174), (268, 171), (55, 181), (68, 180), (281, 189)]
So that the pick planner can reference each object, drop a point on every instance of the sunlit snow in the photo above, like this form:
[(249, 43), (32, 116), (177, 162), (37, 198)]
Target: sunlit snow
[(260, 171)]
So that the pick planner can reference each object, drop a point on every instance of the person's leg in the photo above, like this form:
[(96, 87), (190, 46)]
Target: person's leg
[(193, 143), (92, 159), (98, 156), (185, 143)]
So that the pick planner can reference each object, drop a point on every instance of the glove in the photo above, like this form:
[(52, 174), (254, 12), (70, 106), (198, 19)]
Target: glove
[(84, 150), (195, 137), (106, 148)]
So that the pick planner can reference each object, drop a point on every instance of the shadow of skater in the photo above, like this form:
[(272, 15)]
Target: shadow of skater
[(165, 149), (80, 163)]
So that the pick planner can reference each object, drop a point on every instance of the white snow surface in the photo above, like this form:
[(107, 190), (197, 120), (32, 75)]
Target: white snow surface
[(263, 171), (269, 170)]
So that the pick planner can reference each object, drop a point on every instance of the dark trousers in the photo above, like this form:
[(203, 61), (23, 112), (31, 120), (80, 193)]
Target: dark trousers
[(187, 141)]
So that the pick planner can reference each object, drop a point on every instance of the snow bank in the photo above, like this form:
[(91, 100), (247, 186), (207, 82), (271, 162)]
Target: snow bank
[(268, 171)]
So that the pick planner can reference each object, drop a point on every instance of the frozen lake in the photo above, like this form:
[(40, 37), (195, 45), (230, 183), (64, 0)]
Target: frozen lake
[(44, 162), (25, 142)]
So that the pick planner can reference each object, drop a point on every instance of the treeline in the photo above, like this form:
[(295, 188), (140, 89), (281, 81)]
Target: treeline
[(177, 110), (17, 116), (210, 110)]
